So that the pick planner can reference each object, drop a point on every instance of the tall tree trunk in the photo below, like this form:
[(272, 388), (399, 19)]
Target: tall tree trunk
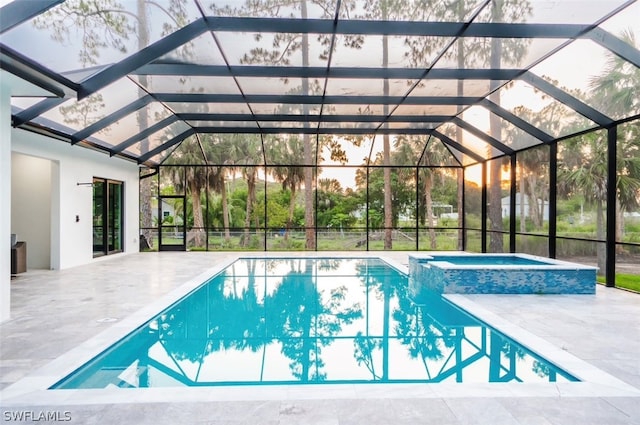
[(145, 186), (292, 207), (225, 212), (428, 186), (309, 219), (388, 206), (534, 207), (146, 213), (198, 222), (619, 226), (251, 197), (386, 154), (494, 209)]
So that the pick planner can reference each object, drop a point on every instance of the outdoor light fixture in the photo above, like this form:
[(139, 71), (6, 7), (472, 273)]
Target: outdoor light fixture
[(85, 184)]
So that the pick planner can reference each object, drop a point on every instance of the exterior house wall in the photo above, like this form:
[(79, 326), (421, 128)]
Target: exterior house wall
[(31, 207), (5, 200), (71, 237)]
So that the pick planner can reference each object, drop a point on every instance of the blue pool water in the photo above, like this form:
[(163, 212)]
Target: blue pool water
[(290, 321), (488, 260)]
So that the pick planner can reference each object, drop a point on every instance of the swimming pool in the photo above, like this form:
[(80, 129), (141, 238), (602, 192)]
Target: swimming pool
[(310, 320)]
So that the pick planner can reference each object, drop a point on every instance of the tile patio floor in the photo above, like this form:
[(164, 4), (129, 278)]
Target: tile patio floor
[(55, 311)]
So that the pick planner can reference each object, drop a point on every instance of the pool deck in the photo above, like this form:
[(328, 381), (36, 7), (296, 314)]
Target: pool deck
[(55, 312)]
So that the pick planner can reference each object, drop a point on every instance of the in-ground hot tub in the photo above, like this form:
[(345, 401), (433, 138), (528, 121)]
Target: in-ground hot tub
[(466, 273)]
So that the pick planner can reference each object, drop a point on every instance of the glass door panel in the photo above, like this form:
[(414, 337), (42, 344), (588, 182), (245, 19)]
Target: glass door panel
[(107, 216), (98, 218), (115, 217)]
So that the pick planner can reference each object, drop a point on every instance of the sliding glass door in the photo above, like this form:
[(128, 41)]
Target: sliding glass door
[(107, 216)]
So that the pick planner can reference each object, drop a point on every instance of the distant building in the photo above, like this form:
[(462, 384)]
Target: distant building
[(506, 203), (167, 210)]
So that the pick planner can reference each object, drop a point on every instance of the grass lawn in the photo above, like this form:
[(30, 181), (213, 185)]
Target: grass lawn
[(626, 281)]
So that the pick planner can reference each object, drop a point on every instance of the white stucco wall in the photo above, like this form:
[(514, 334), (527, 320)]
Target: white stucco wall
[(5, 200), (31, 207), (71, 241)]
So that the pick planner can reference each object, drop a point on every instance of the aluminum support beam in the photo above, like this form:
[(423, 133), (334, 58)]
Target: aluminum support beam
[(111, 118), (517, 121), (313, 118), (315, 99), (37, 109), (19, 11), (567, 99), (399, 28), (482, 135), (33, 72), (310, 130), (513, 190), (166, 145), (448, 141), (612, 178), (260, 71), (553, 199), (617, 46), (143, 57), (483, 209), (143, 134)]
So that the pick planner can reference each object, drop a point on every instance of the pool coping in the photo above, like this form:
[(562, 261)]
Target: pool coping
[(547, 263), (33, 389)]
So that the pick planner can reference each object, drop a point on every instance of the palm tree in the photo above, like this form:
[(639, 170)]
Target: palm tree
[(191, 180), (533, 184), (585, 171), (408, 152), (534, 163), (614, 91), (628, 176), (586, 167), (329, 186), (217, 152), (287, 151), (246, 153), (435, 154)]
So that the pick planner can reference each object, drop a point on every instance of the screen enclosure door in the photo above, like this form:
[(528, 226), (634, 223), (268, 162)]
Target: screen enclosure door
[(172, 225)]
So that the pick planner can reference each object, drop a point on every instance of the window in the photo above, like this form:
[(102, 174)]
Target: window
[(107, 216)]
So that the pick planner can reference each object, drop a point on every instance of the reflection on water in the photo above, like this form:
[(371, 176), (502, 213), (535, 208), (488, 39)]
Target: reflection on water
[(268, 321)]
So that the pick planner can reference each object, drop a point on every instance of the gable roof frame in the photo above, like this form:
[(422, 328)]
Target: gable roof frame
[(148, 61)]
